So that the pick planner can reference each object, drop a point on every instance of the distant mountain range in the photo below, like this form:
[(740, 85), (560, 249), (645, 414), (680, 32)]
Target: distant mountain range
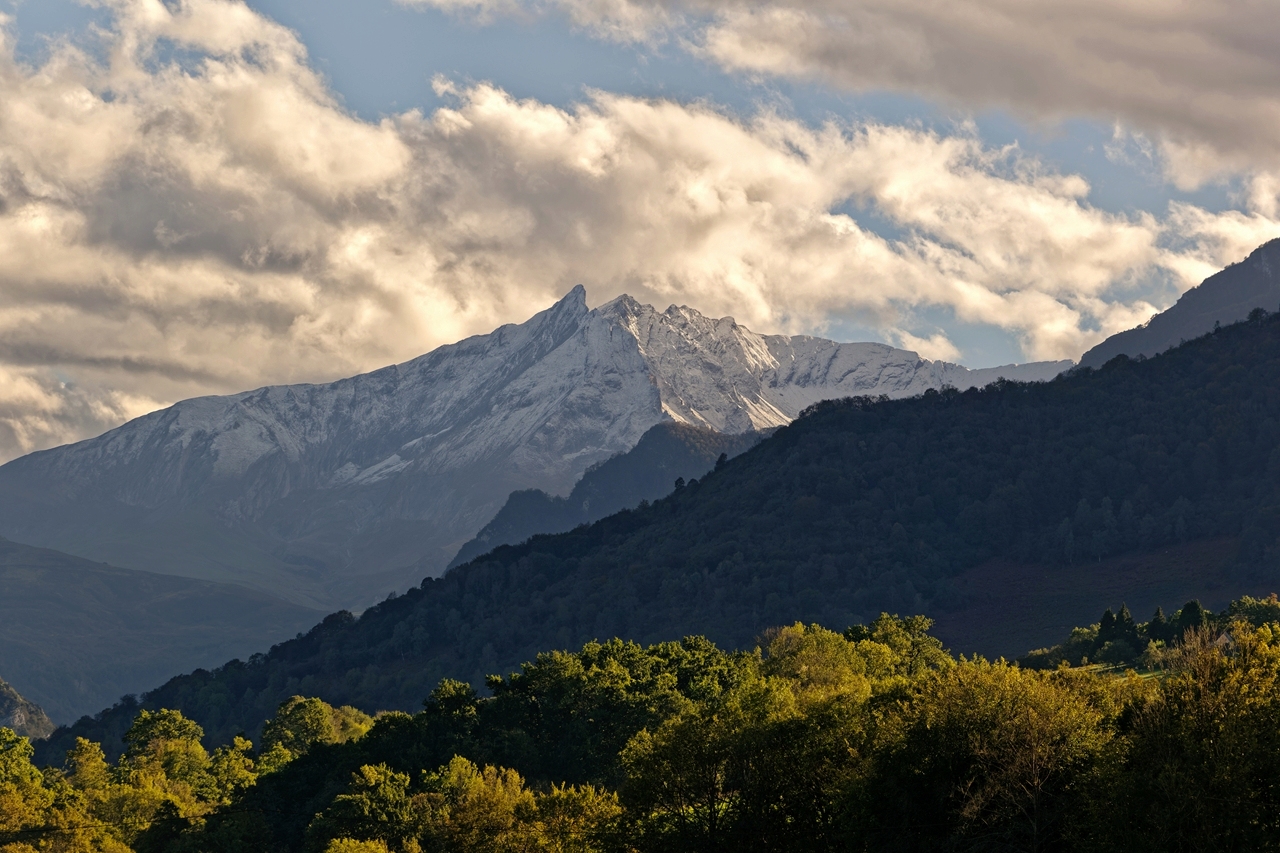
[(1223, 298), (667, 453), (1151, 481), (334, 495), (75, 635), (22, 717)]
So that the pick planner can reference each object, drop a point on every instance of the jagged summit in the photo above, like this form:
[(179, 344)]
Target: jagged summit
[(334, 494)]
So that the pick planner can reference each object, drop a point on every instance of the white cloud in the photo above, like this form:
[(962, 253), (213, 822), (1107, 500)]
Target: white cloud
[(37, 410), (169, 229), (937, 346), (616, 20), (1200, 78)]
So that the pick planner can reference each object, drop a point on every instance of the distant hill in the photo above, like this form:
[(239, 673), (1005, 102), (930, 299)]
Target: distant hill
[(76, 636), (646, 472), (334, 495), (858, 506), (23, 717), (1225, 297)]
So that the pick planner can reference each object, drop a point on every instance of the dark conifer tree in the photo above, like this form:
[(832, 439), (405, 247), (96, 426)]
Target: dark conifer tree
[(1126, 629), (1158, 627), (1107, 627), (1192, 615)]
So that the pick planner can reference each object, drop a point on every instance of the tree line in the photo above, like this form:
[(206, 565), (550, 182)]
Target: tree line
[(873, 739)]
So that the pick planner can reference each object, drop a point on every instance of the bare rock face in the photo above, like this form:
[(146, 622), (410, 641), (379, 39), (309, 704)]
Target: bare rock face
[(334, 495), (22, 717)]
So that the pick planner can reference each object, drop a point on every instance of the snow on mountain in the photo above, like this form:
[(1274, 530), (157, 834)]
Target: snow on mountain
[(332, 495)]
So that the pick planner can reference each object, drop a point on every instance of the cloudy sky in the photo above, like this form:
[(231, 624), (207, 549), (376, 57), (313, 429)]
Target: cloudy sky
[(204, 196)]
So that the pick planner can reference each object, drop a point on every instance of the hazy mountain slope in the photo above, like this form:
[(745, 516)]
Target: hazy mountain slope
[(76, 635), (332, 495), (857, 507), (646, 472), (1225, 297), (21, 716)]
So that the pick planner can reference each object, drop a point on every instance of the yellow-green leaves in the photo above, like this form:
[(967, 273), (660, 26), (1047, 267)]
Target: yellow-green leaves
[(301, 723)]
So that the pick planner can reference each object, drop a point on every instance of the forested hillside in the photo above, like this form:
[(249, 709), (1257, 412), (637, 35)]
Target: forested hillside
[(873, 739), (857, 507)]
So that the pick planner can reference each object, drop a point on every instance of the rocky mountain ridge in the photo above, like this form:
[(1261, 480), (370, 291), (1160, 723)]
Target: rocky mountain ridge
[(333, 495)]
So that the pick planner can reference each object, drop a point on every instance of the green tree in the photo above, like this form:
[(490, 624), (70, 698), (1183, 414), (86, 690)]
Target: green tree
[(914, 651), (480, 810), (376, 807), (1256, 611), (577, 819), (164, 746), (86, 767), (300, 723), (1202, 768), (1158, 629), (24, 799), (1191, 617), (232, 769), (984, 755), (818, 663)]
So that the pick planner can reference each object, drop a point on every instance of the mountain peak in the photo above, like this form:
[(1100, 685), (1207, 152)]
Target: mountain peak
[(332, 495), (572, 306), (621, 306)]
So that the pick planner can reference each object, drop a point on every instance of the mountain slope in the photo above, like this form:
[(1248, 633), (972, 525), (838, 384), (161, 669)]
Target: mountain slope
[(646, 472), (1225, 297), (76, 635), (22, 717), (332, 495), (858, 506)]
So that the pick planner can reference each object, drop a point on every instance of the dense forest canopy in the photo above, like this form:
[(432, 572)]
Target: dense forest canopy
[(874, 739), (858, 506)]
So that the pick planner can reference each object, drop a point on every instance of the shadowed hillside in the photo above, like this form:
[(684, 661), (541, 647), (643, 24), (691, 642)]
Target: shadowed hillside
[(76, 635), (646, 472), (857, 507), (1225, 297)]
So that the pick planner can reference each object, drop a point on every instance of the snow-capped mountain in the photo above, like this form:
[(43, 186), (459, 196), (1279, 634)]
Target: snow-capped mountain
[(334, 494)]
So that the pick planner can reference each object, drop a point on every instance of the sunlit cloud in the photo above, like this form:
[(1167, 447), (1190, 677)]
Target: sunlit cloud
[(1201, 80), (212, 219)]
